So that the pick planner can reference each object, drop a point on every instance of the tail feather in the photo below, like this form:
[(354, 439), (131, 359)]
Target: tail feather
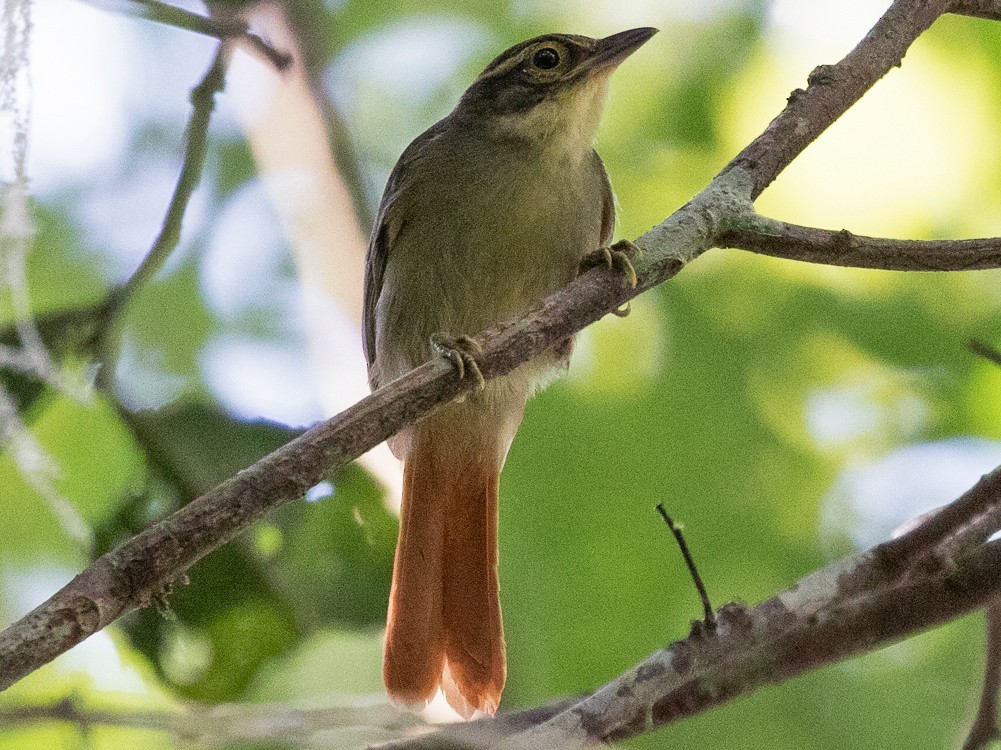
[(415, 649), (474, 635), (444, 625)]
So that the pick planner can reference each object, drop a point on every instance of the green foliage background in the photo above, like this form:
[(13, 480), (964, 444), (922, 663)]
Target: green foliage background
[(706, 398)]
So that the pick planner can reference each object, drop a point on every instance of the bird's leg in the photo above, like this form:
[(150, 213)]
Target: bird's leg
[(461, 351), (618, 256)]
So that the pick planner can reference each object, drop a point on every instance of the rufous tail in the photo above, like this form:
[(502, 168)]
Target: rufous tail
[(444, 625)]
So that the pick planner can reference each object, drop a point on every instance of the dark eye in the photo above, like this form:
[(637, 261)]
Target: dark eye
[(546, 58)]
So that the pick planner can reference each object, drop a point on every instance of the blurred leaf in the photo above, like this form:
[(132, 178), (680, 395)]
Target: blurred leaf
[(329, 664), (68, 336), (169, 323), (95, 466), (323, 562), (337, 558)]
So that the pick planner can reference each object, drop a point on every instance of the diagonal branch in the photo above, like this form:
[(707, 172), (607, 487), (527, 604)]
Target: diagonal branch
[(134, 574), (842, 248), (832, 89), (202, 104)]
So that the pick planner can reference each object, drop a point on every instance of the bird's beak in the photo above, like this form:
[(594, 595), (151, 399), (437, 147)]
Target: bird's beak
[(613, 49)]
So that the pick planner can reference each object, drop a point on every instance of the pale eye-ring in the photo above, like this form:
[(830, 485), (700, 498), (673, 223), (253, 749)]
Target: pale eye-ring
[(546, 58)]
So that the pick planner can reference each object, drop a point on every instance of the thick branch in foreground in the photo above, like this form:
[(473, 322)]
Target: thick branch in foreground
[(933, 573), (801, 629), (858, 604), (842, 248)]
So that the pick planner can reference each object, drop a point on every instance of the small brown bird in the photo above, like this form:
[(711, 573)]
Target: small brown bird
[(485, 214)]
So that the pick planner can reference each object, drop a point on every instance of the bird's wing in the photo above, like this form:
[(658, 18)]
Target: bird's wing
[(388, 223), (607, 203)]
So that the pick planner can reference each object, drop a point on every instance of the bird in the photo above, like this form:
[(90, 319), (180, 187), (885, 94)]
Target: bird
[(487, 212)]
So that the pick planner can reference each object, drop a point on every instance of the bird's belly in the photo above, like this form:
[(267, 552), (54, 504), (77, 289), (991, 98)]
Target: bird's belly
[(484, 268)]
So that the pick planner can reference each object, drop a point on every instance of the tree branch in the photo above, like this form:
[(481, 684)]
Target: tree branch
[(109, 312), (133, 574), (935, 572), (984, 729), (196, 147), (768, 645), (842, 248)]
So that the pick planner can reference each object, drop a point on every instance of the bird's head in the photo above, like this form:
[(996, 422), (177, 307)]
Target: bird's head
[(549, 90)]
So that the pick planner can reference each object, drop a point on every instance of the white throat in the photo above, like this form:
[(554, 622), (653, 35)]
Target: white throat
[(565, 125)]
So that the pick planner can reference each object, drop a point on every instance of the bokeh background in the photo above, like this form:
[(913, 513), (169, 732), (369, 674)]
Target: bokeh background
[(786, 413)]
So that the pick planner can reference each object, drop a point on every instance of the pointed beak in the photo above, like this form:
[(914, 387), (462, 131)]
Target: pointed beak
[(613, 49)]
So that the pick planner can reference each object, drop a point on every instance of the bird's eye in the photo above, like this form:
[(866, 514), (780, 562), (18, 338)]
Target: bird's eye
[(546, 58)]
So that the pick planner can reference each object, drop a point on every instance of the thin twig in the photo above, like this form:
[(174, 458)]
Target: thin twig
[(985, 726), (105, 315), (985, 350), (202, 104), (219, 28), (708, 615)]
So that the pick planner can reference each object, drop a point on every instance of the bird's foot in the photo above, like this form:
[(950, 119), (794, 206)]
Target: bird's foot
[(617, 257), (461, 351)]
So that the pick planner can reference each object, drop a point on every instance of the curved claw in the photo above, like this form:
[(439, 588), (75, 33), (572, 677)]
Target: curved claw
[(461, 351), (623, 312), (615, 257), (623, 252)]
